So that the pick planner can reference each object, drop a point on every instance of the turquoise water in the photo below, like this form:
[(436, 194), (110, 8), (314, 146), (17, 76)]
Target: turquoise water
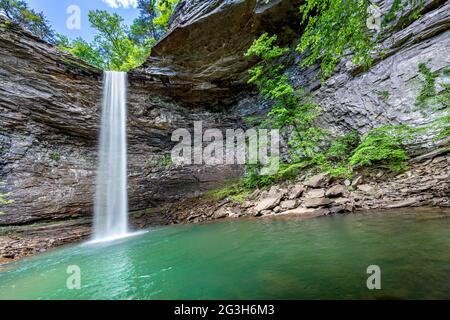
[(321, 258)]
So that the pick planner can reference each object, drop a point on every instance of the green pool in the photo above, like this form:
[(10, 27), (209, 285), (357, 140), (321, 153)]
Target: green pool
[(323, 258)]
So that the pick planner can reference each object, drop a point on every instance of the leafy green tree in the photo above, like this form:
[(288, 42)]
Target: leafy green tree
[(154, 18), (143, 27), (165, 10), (292, 109), (112, 42), (35, 22), (332, 29), (112, 48), (83, 50)]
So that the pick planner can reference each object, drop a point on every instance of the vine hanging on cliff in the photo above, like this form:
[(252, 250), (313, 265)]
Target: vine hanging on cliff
[(332, 29)]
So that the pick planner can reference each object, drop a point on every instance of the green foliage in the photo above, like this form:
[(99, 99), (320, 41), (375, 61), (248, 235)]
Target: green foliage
[(413, 6), (332, 28), (384, 95), (253, 179), (391, 14), (292, 110), (165, 8), (112, 48), (4, 200), (35, 22), (55, 156), (160, 161), (429, 96), (82, 50), (235, 191), (384, 147), (154, 18), (9, 230), (429, 87)]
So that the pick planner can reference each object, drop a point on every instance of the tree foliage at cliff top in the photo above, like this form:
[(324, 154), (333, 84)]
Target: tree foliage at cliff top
[(334, 28), (112, 48), (118, 46), (29, 19)]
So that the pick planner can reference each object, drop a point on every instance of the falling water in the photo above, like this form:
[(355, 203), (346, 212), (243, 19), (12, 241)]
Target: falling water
[(111, 201)]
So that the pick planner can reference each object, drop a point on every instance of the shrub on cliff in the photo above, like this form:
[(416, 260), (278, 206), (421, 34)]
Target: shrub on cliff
[(384, 147)]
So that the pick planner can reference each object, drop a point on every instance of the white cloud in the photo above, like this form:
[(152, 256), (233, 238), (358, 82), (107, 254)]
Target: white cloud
[(121, 3)]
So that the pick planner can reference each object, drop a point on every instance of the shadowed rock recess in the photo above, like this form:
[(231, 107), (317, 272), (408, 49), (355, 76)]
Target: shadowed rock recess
[(50, 106)]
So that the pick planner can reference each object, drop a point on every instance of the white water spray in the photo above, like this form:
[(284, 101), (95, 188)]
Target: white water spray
[(111, 200)]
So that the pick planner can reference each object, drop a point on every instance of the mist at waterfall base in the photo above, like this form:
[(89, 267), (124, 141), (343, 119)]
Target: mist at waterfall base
[(111, 200)]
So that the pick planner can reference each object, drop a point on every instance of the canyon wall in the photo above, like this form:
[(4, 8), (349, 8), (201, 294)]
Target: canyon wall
[(50, 106), (50, 101)]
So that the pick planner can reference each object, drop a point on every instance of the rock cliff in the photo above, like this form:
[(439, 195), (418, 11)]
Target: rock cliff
[(50, 109), (50, 101)]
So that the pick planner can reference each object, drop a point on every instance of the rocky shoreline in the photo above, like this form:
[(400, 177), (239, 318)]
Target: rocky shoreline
[(425, 184)]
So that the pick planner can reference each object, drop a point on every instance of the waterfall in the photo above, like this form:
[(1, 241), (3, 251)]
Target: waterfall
[(111, 200)]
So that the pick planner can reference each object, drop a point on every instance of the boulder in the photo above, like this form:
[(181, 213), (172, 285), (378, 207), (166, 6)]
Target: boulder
[(267, 203), (288, 204), (315, 193), (317, 181), (296, 191), (337, 209), (316, 202), (336, 191), (220, 213), (349, 207), (341, 200)]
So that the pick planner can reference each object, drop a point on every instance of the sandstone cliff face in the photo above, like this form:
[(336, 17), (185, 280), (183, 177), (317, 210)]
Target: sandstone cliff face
[(50, 101), (50, 104)]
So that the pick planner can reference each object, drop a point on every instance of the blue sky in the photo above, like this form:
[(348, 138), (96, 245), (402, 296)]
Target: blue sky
[(56, 12)]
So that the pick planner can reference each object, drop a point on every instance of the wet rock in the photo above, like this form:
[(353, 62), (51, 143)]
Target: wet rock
[(349, 207), (306, 212), (403, 203), (337, 209)]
